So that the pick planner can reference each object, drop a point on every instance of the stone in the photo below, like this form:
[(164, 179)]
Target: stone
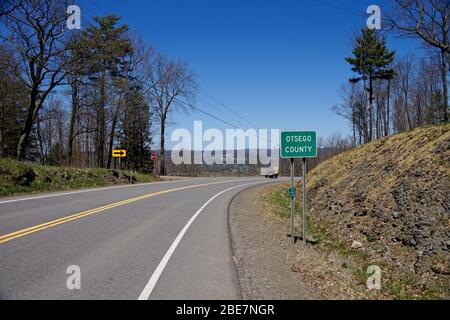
[(397, 215), (352, 224), (361, 213), (27, 178), (357, 245), (440, 268), (447, 244)]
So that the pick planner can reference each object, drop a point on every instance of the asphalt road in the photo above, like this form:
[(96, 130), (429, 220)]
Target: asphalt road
[(165, 240)]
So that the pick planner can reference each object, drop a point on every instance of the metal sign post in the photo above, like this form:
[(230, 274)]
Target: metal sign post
[(119, 154), (154, 158), (304, 199), (292, 195), (298, 144)]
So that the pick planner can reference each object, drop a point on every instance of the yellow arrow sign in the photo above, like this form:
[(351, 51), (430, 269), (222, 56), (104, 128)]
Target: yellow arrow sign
[(119, 153)]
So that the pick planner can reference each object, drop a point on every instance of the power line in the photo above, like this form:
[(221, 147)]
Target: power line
[(329, 4), (231, 111), (205, 101), (100, 8), (190, 105), (213, 116), (207, 94)]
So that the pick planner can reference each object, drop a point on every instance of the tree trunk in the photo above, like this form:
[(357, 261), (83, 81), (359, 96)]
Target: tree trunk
[(377, 120), (141, 141), (419, 110), (353, 124), (444, 85), (41, 146), (408, 118), (111, 136), (162, 168), (387, 115), (101, 123), (73, 118), (60, 138), (28, 125), (371, 98)]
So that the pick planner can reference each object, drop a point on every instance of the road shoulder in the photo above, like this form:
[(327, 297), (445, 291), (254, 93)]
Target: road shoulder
[(262, 251)]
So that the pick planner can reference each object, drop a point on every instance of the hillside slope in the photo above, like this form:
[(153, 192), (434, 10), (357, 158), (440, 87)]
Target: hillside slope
[(23, 177), (392, 196)]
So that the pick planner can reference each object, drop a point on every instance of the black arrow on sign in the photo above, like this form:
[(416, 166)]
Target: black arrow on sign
[(119, 153)]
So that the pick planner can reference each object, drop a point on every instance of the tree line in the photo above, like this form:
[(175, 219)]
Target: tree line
[(69, 97), (392, 94)]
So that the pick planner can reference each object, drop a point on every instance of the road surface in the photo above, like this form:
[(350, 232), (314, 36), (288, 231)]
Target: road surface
[(166, 240)]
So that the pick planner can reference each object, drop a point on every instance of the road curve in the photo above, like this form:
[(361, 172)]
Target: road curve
[(167, 240)]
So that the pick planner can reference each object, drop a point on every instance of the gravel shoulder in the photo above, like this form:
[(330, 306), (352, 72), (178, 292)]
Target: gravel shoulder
[(270, 267), (262, 251)]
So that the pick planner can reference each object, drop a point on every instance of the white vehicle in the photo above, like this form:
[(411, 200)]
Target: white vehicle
[(270, 172)]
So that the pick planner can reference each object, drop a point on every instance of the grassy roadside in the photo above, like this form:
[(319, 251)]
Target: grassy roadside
[(22, 177), (353, 261)]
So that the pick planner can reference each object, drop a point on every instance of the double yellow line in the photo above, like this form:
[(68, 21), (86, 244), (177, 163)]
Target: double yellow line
[(20, 233)]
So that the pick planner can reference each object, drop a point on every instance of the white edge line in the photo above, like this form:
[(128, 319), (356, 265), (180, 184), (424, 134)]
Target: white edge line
[(95, 189), (145, 294)]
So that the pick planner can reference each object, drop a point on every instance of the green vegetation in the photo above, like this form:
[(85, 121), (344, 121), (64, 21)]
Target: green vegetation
[(23, 177), (281, 202), (318, 231)]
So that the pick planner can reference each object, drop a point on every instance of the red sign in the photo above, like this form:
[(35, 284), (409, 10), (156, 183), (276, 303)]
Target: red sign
[(154, 157)]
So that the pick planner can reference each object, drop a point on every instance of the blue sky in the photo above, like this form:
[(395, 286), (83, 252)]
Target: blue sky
[(279, 64)]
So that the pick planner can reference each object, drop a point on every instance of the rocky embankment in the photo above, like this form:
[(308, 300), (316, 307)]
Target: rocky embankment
[(391, 200)]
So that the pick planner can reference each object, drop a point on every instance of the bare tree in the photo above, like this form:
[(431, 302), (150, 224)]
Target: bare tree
[(337, 142), (405, 74), (35, 29), (13, 102), (172, 83), (8, 6), (429, 21), (354, 108)]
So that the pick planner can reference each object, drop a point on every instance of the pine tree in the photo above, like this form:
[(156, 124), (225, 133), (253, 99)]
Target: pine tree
[(371, 61), (106, 45), (135, 135)]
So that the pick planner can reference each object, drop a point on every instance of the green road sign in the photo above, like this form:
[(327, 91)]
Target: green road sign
[(298, 144), (292, 192)]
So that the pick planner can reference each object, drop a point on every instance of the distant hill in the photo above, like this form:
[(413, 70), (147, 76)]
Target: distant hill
[(230, 166), (393, 197)]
